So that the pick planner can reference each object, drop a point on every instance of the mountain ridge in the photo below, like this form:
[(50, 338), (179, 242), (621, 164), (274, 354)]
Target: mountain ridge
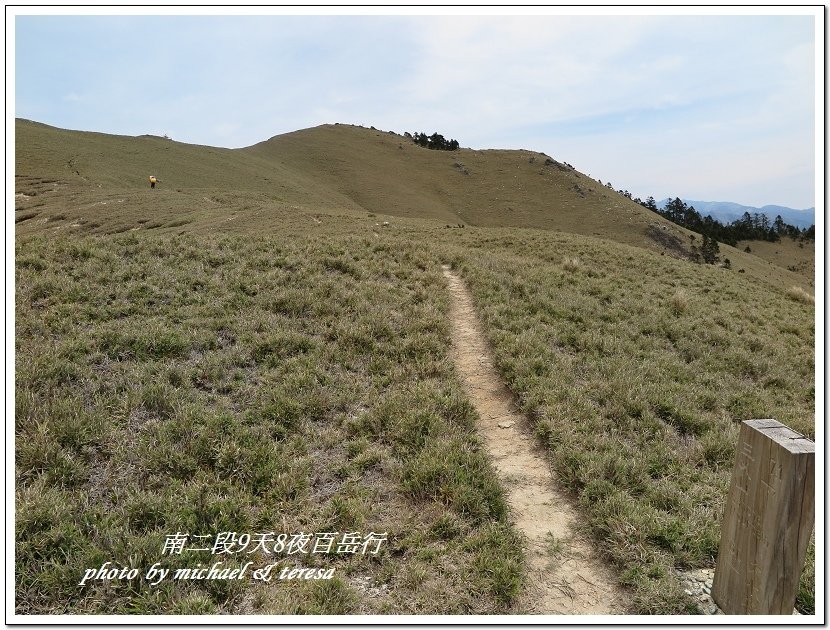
[(729, 211), (346, 168), (90, 183)]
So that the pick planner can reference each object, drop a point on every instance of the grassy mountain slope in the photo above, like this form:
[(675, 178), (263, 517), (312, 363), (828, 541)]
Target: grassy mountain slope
[(388, 173), (798, 257), (83, 182), (335, 168), (637, 371), (222, 383), (250, 348), (249, 385), (76, 172)]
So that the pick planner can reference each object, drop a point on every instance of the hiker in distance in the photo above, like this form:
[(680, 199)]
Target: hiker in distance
[(153, 181)]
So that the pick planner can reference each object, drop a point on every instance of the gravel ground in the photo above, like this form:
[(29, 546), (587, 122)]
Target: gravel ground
[(698, 584)]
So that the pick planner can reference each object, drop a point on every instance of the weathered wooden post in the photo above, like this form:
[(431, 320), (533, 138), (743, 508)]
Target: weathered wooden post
[(768, 521)]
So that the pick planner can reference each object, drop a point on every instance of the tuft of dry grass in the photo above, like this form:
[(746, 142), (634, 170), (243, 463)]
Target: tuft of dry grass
[(680, 302), (571, 264), (800, 295)]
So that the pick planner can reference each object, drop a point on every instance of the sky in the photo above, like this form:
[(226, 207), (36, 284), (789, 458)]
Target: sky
[(707, 107)]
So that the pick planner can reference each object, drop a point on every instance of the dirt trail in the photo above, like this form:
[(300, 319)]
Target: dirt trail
[(572, 579)]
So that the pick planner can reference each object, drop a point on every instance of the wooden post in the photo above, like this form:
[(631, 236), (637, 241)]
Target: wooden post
[(768, 521)]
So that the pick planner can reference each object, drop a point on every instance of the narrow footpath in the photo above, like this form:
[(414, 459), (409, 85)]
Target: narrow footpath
[(565, 576)]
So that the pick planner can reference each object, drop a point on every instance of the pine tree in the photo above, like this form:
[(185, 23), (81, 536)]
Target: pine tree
[(709, 250), (435, 141)]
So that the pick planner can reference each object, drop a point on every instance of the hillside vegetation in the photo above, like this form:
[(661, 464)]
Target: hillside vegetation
[(84, 182), (191, 385), (262, 345), (794, 255), (638, 383)]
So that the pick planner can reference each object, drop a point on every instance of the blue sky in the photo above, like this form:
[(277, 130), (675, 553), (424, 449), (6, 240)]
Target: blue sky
[(702, 107)]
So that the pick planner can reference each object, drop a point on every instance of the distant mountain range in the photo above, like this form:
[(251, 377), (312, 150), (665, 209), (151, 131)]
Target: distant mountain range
[(727, 211)]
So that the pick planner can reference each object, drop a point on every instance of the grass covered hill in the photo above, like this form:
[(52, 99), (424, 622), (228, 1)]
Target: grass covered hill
[(333, 168), (798, 257), (336, 168), (262, 345), (388, 173), (93, 183)]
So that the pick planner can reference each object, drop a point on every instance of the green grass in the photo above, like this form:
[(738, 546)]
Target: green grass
[(262, 344), (207, 384), (174, 384), (637, 371)]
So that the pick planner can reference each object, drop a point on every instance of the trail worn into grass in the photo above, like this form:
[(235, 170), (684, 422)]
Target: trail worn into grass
[(565, 576)]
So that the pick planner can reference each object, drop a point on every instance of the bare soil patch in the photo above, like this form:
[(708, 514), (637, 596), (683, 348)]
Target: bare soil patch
[(565, 576)]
